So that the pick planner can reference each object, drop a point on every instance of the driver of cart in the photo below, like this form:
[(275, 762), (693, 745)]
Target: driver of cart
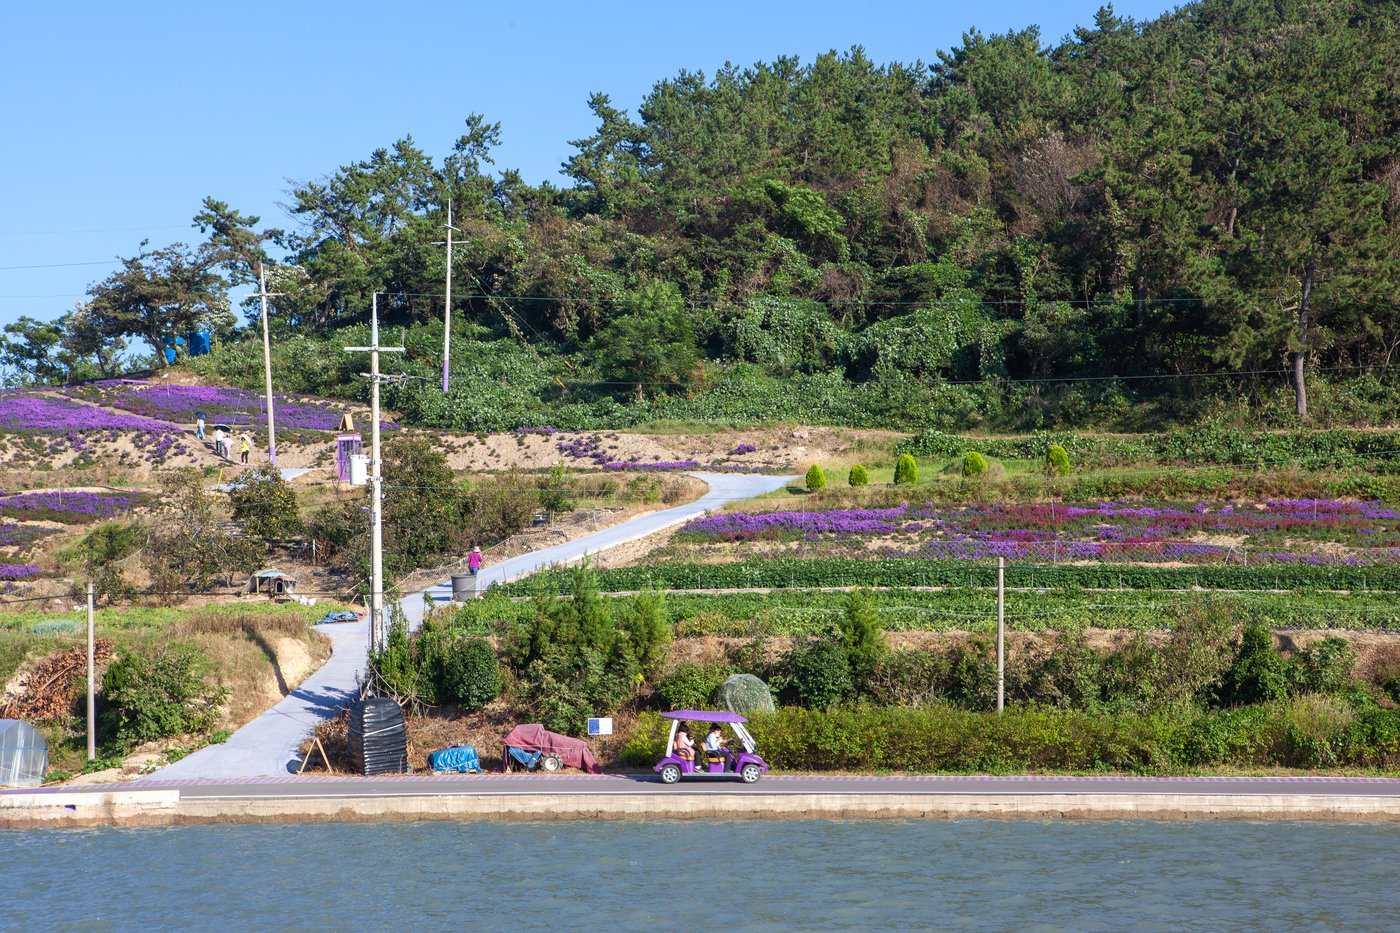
[(685, 746), (715, 741)]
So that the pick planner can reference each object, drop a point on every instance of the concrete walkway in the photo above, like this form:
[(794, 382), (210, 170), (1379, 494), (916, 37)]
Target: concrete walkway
[(268, 744)]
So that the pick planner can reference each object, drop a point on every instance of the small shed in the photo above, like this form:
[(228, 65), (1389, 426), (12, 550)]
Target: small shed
[(24, 754), (271, 581)]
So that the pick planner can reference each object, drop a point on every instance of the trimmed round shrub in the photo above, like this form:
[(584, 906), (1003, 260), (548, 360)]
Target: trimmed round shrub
[(1056, 461), (470, 675), (745, 694), (859, 477), (974, 464), (816, 479), (906, 470), (821, 675)]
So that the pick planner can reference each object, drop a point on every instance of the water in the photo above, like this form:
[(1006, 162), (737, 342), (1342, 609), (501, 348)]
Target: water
[(741, 875)]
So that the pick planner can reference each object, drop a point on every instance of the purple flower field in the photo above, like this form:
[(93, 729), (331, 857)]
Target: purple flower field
[(18, 571), (588, 448), (180, 403), (1289, 531), (32, 413), (72, 508), (15, 535)]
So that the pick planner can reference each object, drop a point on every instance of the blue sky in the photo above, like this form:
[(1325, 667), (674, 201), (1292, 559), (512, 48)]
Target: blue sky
[(119, 118)]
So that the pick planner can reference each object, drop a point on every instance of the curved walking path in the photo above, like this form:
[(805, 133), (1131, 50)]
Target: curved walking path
[(268, 745)]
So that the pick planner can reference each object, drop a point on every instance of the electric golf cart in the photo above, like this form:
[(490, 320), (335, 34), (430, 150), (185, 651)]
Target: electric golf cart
[(729, 763)]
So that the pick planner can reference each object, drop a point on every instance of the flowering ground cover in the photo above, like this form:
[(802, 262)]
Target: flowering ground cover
[(180, 403), (71, 508), (1285, 530), (52, 426), (591, 449), (20, 536), (18, 571)]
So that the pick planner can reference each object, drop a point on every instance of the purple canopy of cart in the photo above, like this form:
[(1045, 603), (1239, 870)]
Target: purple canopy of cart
[(704, 715)]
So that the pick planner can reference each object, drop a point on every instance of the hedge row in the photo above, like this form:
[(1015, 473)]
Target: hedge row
[(1377, 450), (812, 612), (782, 573), (1308, 732)]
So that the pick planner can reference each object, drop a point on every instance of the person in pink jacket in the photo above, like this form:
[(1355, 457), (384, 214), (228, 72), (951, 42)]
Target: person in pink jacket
[(474, 561)]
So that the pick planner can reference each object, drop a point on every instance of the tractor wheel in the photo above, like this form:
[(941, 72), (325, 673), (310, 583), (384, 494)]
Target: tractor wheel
[(551, 763), (750, 774), (670, 774)]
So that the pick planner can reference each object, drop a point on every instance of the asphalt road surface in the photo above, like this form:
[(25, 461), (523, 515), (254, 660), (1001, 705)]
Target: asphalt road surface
[(494, 784)]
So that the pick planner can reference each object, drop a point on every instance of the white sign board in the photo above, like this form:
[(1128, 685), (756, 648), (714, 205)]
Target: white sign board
[(600, 726)]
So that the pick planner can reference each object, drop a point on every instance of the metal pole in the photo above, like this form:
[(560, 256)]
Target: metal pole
[(376, 555), (1001, 633), (91, 698), (447, 307), (267, 366)]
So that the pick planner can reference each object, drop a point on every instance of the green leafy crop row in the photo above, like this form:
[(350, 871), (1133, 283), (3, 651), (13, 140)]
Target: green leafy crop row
[(783, 573)]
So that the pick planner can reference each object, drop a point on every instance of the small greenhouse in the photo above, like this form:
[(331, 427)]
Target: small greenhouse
[(24, 754)]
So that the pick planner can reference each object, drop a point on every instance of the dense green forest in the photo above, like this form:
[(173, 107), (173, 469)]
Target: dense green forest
[(1016, 235)]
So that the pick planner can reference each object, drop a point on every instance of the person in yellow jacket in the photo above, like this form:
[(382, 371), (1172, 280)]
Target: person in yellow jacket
[(244, 446)]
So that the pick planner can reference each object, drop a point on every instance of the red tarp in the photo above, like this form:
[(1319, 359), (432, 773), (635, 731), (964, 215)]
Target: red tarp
[(534, 737)]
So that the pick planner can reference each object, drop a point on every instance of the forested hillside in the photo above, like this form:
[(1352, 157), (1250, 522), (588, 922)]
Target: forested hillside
[(1018, 234)]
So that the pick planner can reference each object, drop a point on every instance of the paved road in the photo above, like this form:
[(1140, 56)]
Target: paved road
[(495, 784), (268, 744)]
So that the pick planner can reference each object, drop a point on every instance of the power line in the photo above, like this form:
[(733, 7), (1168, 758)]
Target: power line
[(63, 265)]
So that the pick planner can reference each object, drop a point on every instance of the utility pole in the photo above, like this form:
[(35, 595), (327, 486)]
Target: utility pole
[(376, 547), (447, 306), (264, 294), (1001, 633), (91, 699)]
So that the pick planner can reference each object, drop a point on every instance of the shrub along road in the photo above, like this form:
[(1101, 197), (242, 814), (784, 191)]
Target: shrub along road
[(268, 744)]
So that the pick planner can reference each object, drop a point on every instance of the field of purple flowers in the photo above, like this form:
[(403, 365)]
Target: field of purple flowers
[(1285, 530), (591, 450), (53, 426), (236, 406), (70, 508)]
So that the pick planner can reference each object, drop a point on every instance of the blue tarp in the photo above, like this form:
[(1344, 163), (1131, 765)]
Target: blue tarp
[(528, 759), (459, 758), (332, 617)]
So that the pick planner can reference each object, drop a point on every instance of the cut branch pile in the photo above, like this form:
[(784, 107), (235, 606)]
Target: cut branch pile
[(48, 691)]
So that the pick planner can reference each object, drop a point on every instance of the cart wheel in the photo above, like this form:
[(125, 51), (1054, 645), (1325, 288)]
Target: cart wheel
[(670, 774), (551, 763), (750, 774)]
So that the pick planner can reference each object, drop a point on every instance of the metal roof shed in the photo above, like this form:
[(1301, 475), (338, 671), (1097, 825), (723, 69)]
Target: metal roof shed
[(24, 754)]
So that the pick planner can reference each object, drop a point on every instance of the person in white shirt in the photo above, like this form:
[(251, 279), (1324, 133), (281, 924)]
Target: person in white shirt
[(714, 742)]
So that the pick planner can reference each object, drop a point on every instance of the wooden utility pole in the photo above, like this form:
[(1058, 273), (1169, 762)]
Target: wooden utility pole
[(264, 294)]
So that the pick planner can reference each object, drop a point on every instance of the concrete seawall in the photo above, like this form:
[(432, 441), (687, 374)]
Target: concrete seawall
[(165, 807)]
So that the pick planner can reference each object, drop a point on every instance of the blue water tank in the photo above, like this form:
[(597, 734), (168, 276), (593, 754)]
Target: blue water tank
[(199, 342)]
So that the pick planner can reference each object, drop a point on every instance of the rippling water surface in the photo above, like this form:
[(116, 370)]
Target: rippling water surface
[(722, 876)]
